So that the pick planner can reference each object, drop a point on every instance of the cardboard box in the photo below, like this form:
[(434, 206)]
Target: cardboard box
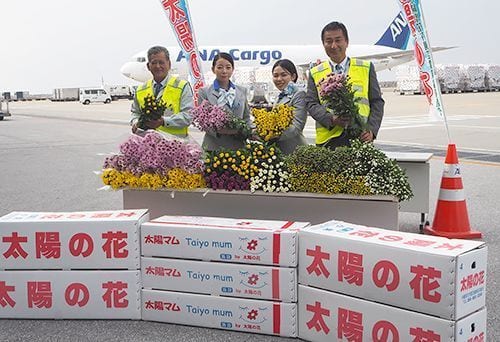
[(433, 275), (328, 316), (70, 294), (248, 315), (222, 239), (222, 279), (78, 240)]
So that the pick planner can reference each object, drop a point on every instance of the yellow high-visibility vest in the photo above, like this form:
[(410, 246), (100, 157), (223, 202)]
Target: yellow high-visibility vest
[(359, 77), (172, 98)]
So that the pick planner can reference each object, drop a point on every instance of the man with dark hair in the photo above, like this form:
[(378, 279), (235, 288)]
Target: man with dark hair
[(176, 94), (329, 126)]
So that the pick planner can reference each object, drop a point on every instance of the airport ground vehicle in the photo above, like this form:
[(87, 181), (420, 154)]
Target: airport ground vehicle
[(4, 112), (89, 95), (120, 92), (65, 94)]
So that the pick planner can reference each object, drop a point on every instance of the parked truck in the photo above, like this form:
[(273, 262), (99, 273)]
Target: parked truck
[(4, 108), (6, 95), (120, 92), (21, 96), (66, 94)]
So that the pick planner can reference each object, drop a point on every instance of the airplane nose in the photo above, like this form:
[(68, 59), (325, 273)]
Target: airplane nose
[(126, 69)]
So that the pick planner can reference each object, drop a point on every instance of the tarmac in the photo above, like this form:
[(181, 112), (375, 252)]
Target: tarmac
[(49, 150)]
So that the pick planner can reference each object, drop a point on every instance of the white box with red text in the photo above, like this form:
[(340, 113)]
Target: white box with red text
[(222, 279), (326, 316), (76, 240), (70, 294), (428, 274), (248, 315), (222, 239)]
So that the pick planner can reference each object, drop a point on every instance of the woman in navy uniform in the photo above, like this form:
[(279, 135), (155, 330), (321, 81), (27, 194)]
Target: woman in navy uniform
[(284, 78), (224, 93)]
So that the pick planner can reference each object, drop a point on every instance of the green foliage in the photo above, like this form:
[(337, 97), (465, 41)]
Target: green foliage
[(153, 109), (359, 169)]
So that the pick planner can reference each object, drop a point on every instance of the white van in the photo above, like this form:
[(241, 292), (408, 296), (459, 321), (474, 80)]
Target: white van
[(88, 95)]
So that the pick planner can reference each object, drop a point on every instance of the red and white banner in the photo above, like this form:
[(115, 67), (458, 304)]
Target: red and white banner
[(423, 55), (177, 12)]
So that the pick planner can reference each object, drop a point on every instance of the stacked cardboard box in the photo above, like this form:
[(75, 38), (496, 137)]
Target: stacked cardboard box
[(449, 77), (473, 77), (221, 273), (408, 79), (357, 282), (493, 76), (70, 265)]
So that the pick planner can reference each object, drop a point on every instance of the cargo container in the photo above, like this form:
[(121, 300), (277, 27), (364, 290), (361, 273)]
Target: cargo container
[(66, 94)]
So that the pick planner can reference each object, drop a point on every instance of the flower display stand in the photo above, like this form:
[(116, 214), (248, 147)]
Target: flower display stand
[(374, 211), (417, 168)]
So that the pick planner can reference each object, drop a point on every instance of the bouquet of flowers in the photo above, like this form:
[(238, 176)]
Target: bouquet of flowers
[(155, 161), (271, 175), (209, 118), (271, 124), (153, 109), (229, 169), (337, 94), (254, 167), (359, 169)]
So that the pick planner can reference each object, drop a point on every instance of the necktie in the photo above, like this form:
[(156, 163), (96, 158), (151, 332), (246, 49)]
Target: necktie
[(157, 89), (339, 69)]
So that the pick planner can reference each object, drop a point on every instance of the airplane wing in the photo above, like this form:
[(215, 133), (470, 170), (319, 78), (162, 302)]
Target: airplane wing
[(385, 60), (399, 54)]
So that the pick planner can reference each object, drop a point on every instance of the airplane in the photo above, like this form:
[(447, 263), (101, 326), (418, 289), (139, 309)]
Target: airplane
[(389, 51)]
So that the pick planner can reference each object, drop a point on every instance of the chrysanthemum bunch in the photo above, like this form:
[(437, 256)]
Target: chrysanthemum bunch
[(271, 124), (154, 161), (153, 109), (271, 175), (229, 170), (212, 118), (359, 169), (209, 117), (336, 93), (254, 167)]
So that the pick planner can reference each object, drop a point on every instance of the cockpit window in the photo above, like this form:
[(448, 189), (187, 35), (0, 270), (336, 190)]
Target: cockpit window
[(141, 59)]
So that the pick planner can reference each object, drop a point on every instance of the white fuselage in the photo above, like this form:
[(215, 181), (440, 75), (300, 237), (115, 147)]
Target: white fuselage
[(261, 56)]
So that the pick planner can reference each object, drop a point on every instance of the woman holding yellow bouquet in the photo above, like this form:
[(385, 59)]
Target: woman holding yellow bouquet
[(284, 78)]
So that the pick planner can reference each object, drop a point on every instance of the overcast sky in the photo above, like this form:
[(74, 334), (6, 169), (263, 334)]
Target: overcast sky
[(47, 44)]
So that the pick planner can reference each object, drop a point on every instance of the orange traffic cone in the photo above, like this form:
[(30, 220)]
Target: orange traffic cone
[(451, 219)]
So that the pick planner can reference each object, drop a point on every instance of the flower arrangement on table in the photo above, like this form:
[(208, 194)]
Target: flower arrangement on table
[(212, 118), (336, 92), (155, 161), (359, 169), (153, 109), (270, 124), (255, 167)]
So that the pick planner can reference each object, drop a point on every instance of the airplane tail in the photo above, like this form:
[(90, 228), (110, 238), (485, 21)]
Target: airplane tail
[(397, 35)]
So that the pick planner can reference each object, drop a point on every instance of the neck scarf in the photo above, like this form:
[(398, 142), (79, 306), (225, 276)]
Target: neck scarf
[(288, 90), (226, 96)]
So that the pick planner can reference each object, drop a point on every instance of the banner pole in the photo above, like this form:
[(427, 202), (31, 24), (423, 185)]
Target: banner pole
[(177, 12), (413, 12)]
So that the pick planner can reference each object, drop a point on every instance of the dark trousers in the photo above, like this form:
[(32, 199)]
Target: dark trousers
[(333, 143)]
